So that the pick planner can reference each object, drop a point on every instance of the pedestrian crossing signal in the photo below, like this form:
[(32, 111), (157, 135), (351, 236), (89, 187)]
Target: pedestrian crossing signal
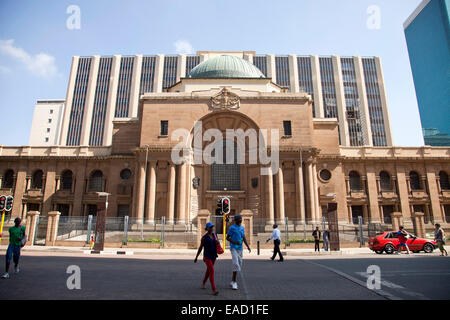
[(9, 203)]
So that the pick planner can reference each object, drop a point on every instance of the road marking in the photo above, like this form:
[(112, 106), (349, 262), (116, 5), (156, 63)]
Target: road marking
[(380, 292), (397, 287)]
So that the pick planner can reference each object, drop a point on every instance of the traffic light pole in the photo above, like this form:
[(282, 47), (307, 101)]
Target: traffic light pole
[(224, 231), (1, 227)]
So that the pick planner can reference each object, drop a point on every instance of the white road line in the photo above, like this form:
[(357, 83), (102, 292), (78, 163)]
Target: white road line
[(380, 292), (394, 286)]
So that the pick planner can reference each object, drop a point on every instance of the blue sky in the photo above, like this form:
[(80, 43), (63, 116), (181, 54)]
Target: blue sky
[(36, 46)]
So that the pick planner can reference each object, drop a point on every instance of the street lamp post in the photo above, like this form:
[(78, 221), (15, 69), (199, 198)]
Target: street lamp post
[(100, 225)]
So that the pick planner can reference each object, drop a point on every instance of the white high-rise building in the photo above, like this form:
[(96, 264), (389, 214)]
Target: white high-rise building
[(46, 125)]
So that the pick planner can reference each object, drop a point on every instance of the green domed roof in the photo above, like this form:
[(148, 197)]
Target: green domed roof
[(225, 67)]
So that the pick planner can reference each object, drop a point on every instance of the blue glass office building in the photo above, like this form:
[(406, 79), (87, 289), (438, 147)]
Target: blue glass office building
[(427, 33)]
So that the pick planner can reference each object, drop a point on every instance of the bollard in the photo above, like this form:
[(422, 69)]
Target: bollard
[(125, 230), (89, 229), (258, 247)]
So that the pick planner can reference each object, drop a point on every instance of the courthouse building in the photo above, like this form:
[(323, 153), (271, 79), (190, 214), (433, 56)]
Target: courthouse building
[(121, 114)]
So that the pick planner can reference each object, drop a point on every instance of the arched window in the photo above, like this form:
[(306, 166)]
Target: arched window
[(36, 179), (224, 175), (8, 179), (66, 180), (414, 181), (385, 181), (96, 181), (355, 181), (443, 179)]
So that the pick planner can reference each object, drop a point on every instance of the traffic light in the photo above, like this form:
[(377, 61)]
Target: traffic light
[(9, 203), (219, 208), (2, 203), (226, 205), (227, 218)]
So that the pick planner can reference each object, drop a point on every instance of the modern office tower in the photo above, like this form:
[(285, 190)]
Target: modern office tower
[(106, 88), (46, 125), (427, 32)]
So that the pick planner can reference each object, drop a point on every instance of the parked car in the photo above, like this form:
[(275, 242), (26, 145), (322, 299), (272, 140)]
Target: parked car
[(388, 242)]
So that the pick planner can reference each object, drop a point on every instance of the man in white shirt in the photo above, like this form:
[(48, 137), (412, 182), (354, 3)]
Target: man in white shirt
[(276, 236)]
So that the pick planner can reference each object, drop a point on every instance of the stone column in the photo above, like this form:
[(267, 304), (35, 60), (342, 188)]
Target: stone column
[(52, 228), (396, 220), (311, 201), (403, 190), (372, 193), (30, 228), (171, 194), (280, 196), (203, 217), (299, 192), (151, 193), (141, 193), (247, 222), (316, 194), (271, 219), (434, 196), (182, 194), (419, 223)]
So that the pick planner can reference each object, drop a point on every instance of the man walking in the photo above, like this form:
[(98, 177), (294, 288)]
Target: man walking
[(326, 239), (16, 235), (236, 235), (439, 237), (316, 234), (402, 234), (276, 236)]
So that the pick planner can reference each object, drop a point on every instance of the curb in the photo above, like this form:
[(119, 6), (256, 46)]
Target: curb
[(128, 253)]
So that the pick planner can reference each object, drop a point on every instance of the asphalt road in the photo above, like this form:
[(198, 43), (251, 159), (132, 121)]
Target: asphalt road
[(102, 277)]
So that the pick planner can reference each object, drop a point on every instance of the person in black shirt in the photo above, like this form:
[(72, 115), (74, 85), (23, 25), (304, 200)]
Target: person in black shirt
[(209, 243), (316, 234)]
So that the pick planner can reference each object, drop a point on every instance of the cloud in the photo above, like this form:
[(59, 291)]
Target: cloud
[(41, 64), (4, 69), (183, 47)]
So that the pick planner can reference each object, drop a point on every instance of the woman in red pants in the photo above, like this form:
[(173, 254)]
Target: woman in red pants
[(209, 242)]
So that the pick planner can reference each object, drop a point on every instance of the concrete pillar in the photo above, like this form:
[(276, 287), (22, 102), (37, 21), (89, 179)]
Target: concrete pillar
[(299, 192), (182, 194), (69, 100), (317, 86), (203, 217), (419, 223), (293, 73), (364, 106), (159, 72), (52, 228), (181, 67), (340, 101), (280, 196), (89, 103), (18, 192), (271, 208), (151, 193), (372, 193), (434, 195), (171, 194), (403, 187), (311, 194), (384, 104), (141, 192), (271, 71), (135, 87), (247, 222), (316, 194), (30, 228), (112, 99)]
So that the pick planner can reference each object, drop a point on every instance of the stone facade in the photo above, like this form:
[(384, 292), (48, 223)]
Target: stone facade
[(314, 170)]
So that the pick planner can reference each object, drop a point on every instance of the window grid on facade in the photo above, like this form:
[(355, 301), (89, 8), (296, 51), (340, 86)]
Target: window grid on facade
[(147, 74), (170, 71), (374, 102), (78, 102), (191, 63), (164, 127), (124, 87), (261, 63), (100, 102), (352, 102), (225, 175), (282, 71), (287, 128), (328, 87), (305, 78)]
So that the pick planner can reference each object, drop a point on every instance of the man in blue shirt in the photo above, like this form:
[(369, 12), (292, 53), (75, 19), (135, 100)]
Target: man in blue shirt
[(236, 235)]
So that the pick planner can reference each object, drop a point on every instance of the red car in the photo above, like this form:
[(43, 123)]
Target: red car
[(388, 242)]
